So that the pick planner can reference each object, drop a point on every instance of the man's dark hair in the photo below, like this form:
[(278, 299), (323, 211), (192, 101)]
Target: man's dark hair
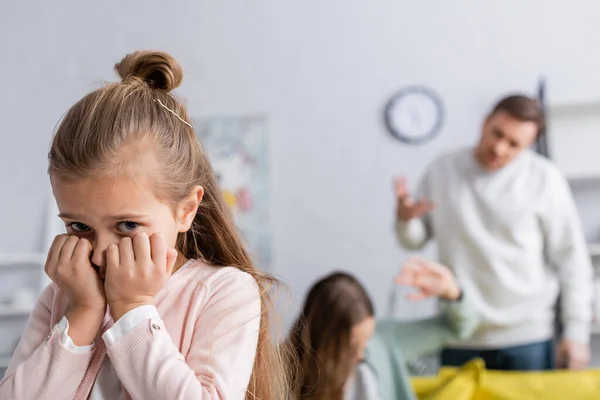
[(522, 108)]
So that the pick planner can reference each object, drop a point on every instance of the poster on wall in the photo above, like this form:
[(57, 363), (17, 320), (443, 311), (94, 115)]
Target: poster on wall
[(238, 150)]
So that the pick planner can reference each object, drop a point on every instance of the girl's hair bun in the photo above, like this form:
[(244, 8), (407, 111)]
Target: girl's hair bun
[(159, 70)]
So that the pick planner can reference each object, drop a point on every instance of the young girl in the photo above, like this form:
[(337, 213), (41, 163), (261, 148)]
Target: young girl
[(337, 351), (154, 295)]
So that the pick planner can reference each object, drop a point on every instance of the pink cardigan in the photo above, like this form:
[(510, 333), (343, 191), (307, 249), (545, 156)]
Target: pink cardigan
[(202, 348)]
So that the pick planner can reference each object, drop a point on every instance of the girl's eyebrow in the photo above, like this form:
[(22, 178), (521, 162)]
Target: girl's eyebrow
[(124, 217), (66, 216), (120, 217)]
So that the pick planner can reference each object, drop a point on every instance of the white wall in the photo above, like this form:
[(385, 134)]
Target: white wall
[(321, 69)]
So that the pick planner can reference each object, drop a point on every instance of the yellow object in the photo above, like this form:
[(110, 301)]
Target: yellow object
[(229, 198), (474, 382)]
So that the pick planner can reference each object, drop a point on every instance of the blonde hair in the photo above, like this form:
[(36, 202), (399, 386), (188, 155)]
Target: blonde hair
[(98, 135)]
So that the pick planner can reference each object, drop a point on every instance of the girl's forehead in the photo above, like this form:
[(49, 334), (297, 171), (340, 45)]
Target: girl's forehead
[(105, 193)]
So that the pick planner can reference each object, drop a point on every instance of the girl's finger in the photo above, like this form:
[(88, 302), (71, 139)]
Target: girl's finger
[(406, 276), (58, 245), (434, 267), (126, 257), (426, 281), (49, 258), (158, 248), (82, 251), (404, 280), (418, 296), (141, 249), (431, 268), (412, 264), (112, 257), (66, 251)]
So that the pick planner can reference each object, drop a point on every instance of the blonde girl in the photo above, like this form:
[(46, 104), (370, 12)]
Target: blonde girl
[(154, 295)]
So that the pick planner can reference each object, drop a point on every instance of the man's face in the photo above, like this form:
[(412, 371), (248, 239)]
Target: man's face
[(503, 138)]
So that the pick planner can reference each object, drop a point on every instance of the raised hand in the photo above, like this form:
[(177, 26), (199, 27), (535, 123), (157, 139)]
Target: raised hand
[(68, 265), (136, 270), (407, 208), (429, 278)]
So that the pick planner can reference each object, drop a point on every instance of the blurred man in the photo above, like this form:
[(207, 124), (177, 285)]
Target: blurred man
[(506, 223)]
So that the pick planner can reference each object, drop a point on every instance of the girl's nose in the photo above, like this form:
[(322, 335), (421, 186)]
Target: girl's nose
[(99, 246)]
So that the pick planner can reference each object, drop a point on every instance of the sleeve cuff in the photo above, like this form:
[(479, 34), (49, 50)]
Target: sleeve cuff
[(452, 307), (577, 331), (414, 227), (456, 310), (67, 342), (402, 225), (128, 322), (454, 303)]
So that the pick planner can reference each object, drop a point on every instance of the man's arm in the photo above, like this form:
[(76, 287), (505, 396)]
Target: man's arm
[(567, 250)]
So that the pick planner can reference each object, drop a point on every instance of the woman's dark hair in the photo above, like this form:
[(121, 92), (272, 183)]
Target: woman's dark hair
[(319, 348)]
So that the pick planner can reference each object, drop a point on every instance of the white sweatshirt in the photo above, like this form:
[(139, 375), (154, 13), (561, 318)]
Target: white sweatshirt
[(513, 238)]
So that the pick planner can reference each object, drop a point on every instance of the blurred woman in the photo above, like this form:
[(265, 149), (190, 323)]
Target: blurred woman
[(337, 350)]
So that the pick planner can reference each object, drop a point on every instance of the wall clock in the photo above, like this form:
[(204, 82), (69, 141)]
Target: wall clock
[(414, 115)]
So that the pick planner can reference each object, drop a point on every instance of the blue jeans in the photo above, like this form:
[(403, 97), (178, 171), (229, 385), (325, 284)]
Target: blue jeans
[(530, 357)]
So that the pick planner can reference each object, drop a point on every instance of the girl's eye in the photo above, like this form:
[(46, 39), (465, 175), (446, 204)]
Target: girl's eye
[(128, 226), (78, 227)]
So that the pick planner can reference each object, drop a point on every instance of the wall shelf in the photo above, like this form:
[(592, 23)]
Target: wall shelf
[(573, 134), (4, 360), (594, 249), (29, 266), (13, 260), (14, 311)]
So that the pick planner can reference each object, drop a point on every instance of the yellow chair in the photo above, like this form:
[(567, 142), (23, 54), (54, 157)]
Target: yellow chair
[(474, 382)]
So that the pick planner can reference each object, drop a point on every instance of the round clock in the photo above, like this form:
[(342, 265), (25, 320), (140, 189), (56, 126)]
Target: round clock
[(414, 115)]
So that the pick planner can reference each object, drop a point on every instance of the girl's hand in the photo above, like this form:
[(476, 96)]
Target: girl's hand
[(68, 265), (136, 269), (429, 278)]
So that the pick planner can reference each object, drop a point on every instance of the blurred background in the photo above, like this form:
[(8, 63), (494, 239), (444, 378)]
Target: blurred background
[(318, 73)]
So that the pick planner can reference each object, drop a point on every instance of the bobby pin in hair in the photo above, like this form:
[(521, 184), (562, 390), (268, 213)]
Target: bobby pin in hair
[(174, 113)]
